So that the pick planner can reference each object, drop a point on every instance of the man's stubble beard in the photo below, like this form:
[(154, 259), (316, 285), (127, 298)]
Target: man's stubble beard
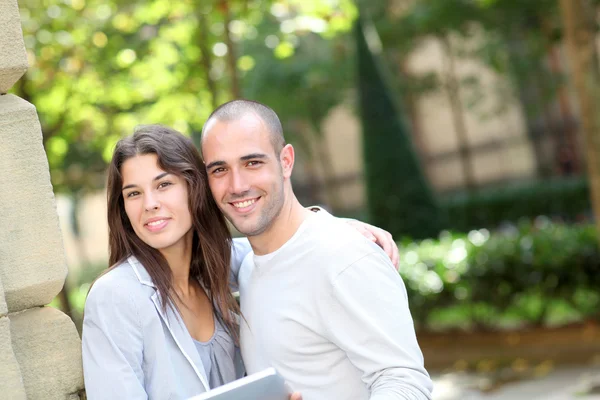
[(268, 215)]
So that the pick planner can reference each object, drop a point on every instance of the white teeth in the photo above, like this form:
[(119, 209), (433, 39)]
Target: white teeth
[(244, 204), (155, 223)]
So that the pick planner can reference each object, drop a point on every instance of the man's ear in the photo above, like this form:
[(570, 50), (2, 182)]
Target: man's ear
[(286, 158)]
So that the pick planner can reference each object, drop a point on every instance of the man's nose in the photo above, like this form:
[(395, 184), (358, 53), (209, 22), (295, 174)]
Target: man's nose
[(238, 184)]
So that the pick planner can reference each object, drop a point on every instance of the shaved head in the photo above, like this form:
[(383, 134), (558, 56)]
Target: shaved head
[(237, 109)]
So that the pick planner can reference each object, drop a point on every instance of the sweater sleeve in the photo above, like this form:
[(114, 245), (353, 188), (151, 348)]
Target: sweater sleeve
[(367, 316), (241, 247)]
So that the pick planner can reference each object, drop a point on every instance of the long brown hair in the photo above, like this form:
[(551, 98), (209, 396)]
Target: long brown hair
[(211, 249)]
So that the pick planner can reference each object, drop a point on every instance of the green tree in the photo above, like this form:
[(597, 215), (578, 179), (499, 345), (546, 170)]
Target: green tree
[(400, 199)]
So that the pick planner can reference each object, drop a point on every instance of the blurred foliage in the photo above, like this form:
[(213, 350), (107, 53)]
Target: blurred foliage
[(399, 197), (78, 285), (515, 276), (567, 198), (99, 68)]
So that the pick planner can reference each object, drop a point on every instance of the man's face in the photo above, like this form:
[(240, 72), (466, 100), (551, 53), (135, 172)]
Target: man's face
[(244, 173)]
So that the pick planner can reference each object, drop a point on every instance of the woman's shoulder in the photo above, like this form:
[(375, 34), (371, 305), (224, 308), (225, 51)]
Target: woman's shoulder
[(120, 285)]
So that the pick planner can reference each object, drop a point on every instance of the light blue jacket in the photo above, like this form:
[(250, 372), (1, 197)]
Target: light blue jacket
[(132, 349)]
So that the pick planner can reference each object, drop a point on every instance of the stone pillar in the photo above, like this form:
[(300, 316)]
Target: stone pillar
[(40, 349)]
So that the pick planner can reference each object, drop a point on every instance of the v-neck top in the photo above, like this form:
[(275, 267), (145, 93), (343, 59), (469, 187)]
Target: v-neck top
[(217, 355)]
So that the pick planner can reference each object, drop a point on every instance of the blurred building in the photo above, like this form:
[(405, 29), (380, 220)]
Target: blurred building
[(504, 145)]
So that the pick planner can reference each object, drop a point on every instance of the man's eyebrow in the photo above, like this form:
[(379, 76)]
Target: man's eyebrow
[(215, 164), (247, 157), (253, 156), (156, 178)]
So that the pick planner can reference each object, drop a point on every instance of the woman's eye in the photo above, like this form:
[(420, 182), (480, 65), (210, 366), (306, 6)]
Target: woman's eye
[(131, 194), (164, 185)]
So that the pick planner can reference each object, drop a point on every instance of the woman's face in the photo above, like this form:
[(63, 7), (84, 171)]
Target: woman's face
[(156, 203)]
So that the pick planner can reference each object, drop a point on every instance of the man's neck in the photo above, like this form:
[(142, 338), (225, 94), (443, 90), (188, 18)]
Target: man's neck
[(282, 229)]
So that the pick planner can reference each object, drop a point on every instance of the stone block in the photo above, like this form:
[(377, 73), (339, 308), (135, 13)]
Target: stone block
[(11, 384), (13, 60), (32, 259), (48, 350)]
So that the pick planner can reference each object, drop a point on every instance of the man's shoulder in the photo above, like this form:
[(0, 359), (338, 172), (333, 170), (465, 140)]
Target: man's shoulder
[(340, 244), (335, 234)]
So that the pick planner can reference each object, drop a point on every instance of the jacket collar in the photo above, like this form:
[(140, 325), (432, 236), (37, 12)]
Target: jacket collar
[(141, 273)]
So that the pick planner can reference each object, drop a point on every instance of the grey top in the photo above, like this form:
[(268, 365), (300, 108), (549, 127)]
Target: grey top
[(218, 356)]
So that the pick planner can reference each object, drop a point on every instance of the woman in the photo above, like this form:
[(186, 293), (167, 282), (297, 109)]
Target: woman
[(161, 323)]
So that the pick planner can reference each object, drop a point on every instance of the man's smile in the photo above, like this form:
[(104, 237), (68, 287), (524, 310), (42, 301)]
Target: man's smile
[(245, 205)]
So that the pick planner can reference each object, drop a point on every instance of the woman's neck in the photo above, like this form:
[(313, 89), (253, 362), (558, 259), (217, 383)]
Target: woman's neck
[(181, 277), (179, 259)]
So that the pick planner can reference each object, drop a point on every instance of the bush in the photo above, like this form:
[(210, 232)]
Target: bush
[(521, 273), (567, 198)]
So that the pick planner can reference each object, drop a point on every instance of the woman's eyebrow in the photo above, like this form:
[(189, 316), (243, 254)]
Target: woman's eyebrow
[(158, 177)]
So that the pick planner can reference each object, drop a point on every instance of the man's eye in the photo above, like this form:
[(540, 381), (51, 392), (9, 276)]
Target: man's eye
[(254, 163), (218, 170)]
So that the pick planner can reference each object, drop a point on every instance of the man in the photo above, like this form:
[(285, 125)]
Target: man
[(321, 304)]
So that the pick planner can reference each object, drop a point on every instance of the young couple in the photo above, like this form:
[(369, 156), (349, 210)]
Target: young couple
[(320, 301)]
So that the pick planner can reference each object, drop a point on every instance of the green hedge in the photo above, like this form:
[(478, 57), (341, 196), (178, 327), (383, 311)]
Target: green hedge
[(567, 198), (524, 274)]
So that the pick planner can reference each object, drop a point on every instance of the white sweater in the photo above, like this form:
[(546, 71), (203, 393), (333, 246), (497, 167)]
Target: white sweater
[(330, 313)]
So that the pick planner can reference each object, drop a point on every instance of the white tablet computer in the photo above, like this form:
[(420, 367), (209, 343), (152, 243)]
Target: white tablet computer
[(263, 385)]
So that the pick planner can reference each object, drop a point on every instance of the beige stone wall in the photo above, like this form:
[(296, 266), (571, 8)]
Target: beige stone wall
[(344, 141), (40, 350), (512, 156)]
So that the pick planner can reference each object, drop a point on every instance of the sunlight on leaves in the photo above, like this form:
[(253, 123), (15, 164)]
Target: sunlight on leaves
[(284, 50), (126, 57), (99, 39)]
